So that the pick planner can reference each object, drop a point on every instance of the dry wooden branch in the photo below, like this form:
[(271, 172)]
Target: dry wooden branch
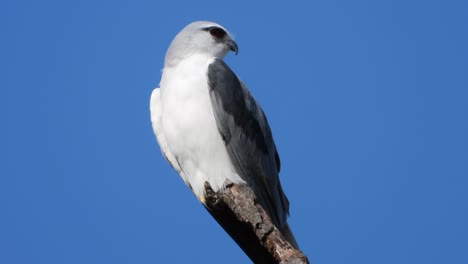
[(236, 209)]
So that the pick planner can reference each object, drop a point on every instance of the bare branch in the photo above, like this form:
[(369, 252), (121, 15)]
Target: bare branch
[(236, 209)]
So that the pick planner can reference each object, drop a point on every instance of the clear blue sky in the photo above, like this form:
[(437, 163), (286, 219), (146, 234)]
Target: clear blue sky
[(368, 103)]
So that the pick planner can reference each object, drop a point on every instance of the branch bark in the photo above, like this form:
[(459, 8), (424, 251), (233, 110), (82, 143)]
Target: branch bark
[(236, 209)]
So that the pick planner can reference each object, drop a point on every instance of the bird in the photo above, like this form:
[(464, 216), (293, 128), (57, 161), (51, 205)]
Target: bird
[(209, 126)]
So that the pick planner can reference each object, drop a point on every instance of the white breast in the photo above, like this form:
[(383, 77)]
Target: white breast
[(190, 128)]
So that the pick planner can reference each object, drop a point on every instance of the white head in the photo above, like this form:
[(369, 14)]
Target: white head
[(198, 38)]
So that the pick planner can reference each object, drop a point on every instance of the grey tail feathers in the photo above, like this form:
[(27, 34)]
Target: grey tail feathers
[(286, 231)]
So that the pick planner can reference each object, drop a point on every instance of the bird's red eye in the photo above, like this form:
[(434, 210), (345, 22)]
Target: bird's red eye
[(217, 32)]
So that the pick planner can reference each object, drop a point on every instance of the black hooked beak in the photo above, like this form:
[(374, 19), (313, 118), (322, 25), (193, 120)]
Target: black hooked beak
[(232, 45)]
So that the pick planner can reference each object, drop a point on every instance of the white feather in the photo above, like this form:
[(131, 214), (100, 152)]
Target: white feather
[(155, 110), (186, 128)]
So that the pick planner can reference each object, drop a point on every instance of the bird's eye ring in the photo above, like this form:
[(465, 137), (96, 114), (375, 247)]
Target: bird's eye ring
[(217, 32)]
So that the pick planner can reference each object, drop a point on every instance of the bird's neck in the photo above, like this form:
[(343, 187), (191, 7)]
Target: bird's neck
[(197, 60)]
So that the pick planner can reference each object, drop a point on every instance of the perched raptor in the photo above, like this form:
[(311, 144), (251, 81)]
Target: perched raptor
[(209, 126)]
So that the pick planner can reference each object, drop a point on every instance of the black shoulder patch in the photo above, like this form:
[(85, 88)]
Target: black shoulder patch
[(231, 100)]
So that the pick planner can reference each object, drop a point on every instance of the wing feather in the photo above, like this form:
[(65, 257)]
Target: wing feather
[(248, 139), (155, 110)]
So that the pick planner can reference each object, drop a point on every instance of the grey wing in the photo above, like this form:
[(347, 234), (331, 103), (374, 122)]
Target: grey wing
[(248, 139)]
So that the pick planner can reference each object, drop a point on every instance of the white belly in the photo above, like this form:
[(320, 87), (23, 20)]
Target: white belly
[(190, 128)]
